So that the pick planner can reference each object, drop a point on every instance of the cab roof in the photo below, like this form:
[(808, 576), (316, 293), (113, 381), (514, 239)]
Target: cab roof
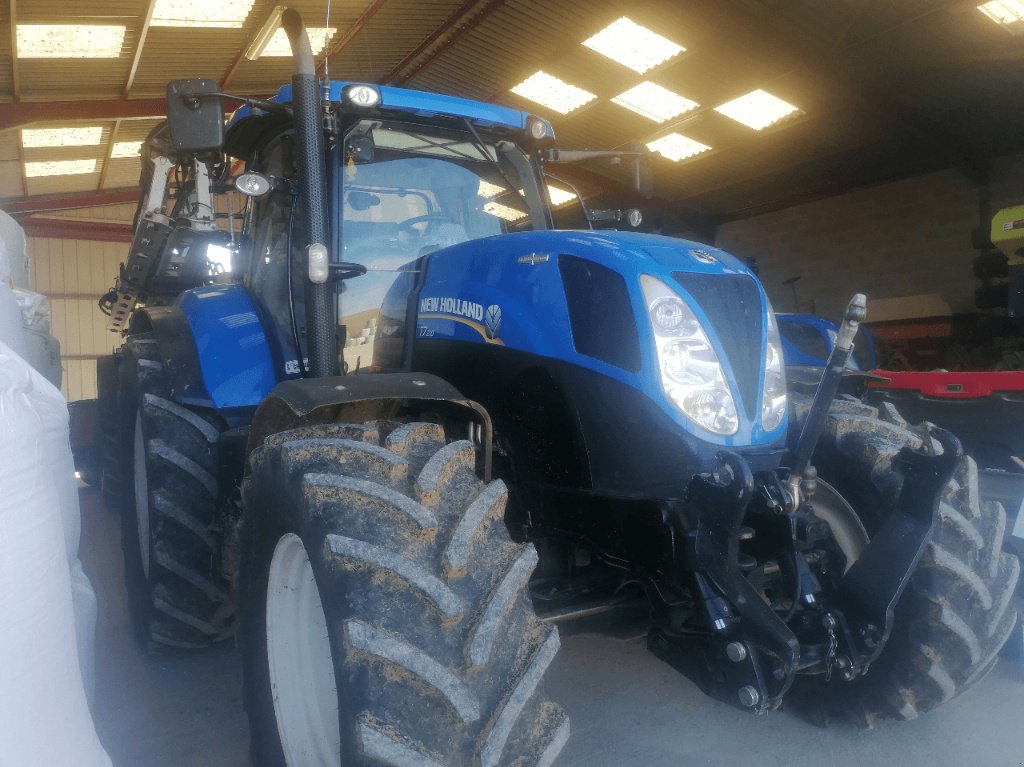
[(416, 103)]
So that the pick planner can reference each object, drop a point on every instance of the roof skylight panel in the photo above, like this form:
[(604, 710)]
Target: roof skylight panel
[(1005, 12), (549, 91), (50, 137), (633, 45), (654, 102), (219, 14), (70, 41), (279, 45), (126, 149), (677, 147), (757, 109), (59, 168), (560, 196)]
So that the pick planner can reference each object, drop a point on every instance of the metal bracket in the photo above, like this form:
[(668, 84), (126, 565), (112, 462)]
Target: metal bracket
[(871, 588)]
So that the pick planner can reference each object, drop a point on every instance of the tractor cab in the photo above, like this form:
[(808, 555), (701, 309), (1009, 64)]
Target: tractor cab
[(408, 174)]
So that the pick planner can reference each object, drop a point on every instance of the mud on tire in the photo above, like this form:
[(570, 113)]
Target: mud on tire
[(437, 656), (177, 596), (956, 613)]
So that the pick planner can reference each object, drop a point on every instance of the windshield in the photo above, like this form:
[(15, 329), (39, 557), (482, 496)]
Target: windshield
[(407, 191)]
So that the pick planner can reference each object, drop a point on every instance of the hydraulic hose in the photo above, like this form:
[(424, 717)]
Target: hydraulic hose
[(311, 158), (832, 376)]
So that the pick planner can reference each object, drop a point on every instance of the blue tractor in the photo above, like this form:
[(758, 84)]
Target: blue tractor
[(807, 341), (413, 426)]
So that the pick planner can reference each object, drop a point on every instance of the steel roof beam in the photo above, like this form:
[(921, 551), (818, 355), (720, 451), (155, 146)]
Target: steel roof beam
[(143, 33), (69, 229), (454, 27), (17, 206), (108, 154), (349, 34), (12, 17), (13, 115)]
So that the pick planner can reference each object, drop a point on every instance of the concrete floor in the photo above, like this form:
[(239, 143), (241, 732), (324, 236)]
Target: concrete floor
[(627, 708)]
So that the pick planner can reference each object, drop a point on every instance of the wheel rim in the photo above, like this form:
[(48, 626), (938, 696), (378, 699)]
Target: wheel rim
[(847, 530), (302, 678), (141, 493)]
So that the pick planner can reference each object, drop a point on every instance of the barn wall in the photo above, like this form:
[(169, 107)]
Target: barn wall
[(73, 274), (906, 237)]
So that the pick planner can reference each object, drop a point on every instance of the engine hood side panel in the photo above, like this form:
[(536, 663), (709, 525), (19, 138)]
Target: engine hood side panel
[(507, 291)]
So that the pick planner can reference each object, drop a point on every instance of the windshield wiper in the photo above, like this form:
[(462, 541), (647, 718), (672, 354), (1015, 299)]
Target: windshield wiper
[(482, 149)]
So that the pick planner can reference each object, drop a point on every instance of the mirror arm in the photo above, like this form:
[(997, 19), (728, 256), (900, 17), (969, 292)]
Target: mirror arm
[(193, 100)]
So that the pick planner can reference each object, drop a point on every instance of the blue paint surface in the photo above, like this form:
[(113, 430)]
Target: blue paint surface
[(234, 357), (865, 355), (511, 272), (419, 103)]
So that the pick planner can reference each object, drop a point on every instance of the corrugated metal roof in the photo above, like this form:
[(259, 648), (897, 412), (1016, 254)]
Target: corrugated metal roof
[(882, 79)]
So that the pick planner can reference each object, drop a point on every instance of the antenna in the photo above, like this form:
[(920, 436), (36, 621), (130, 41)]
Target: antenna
[(327, 61)]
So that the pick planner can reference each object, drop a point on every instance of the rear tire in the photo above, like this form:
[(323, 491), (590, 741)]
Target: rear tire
[(956, 613), (177, 595), (385, 612)]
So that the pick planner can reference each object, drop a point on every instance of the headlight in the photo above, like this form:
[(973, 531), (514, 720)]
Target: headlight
[(690, 371), (773, 392)]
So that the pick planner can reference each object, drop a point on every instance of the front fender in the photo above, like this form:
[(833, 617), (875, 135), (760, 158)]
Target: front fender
[(359, 398)]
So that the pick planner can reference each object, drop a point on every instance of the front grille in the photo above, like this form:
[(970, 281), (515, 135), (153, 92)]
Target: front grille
[(733, 306)]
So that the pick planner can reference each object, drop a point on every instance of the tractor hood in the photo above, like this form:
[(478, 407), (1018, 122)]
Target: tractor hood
[(579, 297)]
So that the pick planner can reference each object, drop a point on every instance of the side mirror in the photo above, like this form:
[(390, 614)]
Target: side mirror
[(195, 116)]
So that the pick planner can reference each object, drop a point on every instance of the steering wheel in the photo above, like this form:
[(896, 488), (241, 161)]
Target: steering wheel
[(407, 225)]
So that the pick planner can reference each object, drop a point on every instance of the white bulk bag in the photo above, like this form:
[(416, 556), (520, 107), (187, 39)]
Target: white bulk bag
[(44, 713), (12, 331)]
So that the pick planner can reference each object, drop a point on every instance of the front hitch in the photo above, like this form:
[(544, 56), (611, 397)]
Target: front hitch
[(749, 656)]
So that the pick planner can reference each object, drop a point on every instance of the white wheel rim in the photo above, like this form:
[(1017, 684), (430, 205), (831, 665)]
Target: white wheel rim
[(141, 493), (302, 679)]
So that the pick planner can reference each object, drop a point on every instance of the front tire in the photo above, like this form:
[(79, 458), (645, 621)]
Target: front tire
[(956, 613), (385, 612)]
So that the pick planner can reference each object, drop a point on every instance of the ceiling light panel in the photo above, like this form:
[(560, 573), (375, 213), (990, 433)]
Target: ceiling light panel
[(46, 137), (126, 149), (70, 41), (59, 168), (279, 45), (219, 14), (553, 93), (654, 102), (677, 147), (757, 109), (1004, 11), (633, 46)]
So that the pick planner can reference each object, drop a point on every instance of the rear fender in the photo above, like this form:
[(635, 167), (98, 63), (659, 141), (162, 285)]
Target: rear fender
[(359, 398)]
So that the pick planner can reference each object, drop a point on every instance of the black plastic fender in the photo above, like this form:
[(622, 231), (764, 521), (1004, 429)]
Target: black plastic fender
[(359, 398), (177, 352)]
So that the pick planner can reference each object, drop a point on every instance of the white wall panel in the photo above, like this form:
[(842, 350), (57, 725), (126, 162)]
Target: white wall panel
[(74, 274)]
